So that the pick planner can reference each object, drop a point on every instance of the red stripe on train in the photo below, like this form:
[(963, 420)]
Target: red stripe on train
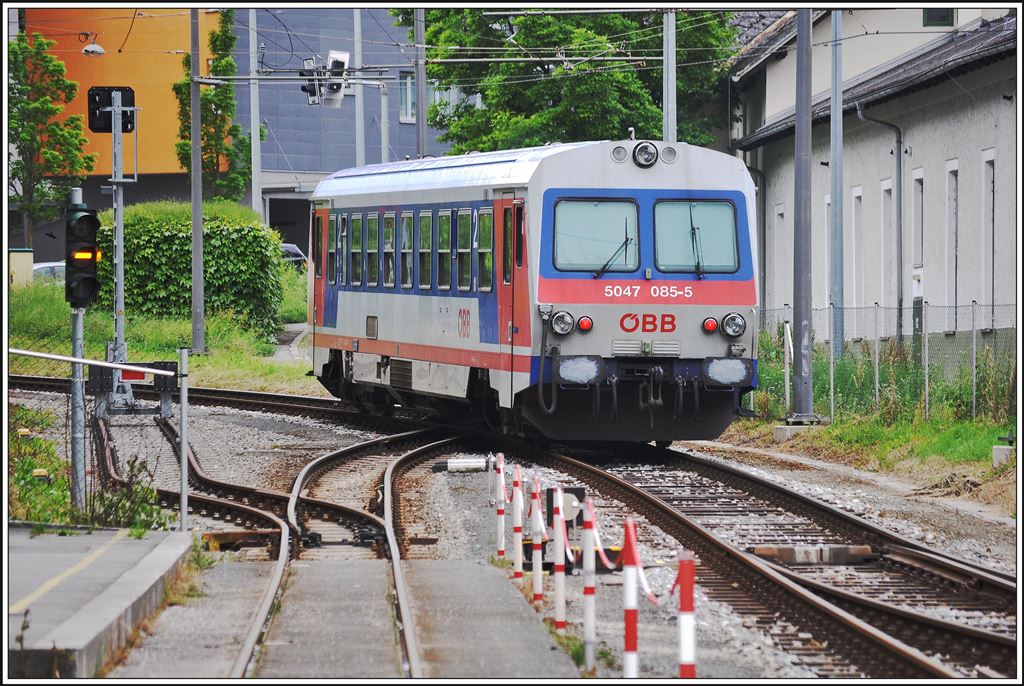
[(591, 291)]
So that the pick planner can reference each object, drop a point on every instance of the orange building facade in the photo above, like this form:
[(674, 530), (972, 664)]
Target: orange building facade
[(146, 56)]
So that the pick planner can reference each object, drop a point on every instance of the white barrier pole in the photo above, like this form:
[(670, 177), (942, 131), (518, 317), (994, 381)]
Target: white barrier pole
[(517, 527), (687, 622), (630, 562), (499, 499), (559, 565), (537, 538), (589, 588)]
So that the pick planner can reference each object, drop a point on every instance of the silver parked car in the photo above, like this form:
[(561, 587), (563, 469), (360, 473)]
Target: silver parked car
[(48, 271)]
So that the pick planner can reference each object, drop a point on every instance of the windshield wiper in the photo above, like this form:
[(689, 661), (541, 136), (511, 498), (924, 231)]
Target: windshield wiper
[(622, 246), (696, 245)]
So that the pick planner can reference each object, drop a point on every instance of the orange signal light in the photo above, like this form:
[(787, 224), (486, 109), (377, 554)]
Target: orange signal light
[(87, 255)]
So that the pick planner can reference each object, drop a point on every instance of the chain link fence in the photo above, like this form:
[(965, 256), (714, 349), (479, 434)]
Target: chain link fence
[(40, 465), (898, 364)]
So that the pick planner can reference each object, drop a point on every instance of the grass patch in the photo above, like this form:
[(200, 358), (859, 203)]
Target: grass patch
[(29, 498), (293, 304), (40, 320)]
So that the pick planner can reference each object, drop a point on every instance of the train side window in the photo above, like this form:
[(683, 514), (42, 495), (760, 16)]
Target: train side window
[(356, 248), (426, 248), (372, 243), (406, 248), (332, 249), (317, 243), (464, 250), (342, 249), (388, 249), (485, 250), (520, 235), (444, 250), (506, 250)]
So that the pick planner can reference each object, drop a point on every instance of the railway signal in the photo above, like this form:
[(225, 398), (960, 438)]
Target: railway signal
[(81, 284), (312, 86), (337, 62)]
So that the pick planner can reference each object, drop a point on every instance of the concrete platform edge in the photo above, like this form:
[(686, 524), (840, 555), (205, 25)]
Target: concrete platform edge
[(80, 646)]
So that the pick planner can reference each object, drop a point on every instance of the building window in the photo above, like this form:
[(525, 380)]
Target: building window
[(485, 251), (918, 218), (426, 248), (989, 241), (857, 262), (407, 247), (939, 17), (407, 96), (952, 243)]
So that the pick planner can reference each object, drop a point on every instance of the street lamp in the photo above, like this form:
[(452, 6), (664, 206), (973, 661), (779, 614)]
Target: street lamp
[(91, 48)]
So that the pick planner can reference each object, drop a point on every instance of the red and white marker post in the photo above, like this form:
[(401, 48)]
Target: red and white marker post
[(589, 587), (687, 623), (537, 535), (630, 574), (517, 527), (558, 524), (499, 499)]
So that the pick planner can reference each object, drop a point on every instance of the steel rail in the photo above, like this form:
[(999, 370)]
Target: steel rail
[(838, 626), (985, 578), (257, 626), (404, 598)]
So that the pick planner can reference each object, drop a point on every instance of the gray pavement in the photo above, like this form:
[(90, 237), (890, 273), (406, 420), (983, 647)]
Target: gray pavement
[(335, 622), (290, 342), (201, 639), (84, 593), (472, 622)]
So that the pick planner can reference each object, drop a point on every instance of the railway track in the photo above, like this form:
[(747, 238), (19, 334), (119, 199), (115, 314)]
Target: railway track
[(898, 626), (854, 631)]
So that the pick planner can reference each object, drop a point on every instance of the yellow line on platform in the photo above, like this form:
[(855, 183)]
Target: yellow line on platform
[(70, 571)]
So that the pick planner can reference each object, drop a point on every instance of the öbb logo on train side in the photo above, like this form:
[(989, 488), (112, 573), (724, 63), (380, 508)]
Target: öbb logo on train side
[(647, 322)]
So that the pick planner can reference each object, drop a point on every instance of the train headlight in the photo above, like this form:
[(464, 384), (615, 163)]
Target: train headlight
[(645, 154), (562, 322), (733, 324)]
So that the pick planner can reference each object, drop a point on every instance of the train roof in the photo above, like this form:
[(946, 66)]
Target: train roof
[(501, 168)]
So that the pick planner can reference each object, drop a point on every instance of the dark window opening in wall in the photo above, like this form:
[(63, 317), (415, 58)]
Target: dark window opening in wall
[(939, 17)]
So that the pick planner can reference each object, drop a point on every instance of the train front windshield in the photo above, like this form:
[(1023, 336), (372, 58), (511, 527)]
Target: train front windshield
[(595, 234)]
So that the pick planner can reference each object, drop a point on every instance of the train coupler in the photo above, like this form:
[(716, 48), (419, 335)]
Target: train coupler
[(651, 387)]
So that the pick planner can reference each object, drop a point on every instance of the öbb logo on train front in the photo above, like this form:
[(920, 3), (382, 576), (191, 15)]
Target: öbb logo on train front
[(647, 322)]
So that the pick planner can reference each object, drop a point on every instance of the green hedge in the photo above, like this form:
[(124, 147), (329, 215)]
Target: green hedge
[(241, 259)]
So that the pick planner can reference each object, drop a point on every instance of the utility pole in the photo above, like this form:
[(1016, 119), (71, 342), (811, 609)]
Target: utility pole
[(419, 23), (668, 85), (357, 62), (803, 409), (836, 166), (254, 122), (198, 305)]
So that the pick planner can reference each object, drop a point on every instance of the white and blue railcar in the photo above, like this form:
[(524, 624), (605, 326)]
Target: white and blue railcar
[(600, 291)]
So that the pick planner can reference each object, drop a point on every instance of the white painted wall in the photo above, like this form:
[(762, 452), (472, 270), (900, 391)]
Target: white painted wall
[(968, 121), (900, 31)]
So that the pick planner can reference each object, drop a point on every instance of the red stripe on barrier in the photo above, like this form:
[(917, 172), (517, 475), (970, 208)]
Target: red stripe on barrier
[(687, 671), (536, 546), (559, 568), (127, 375), (501, 512), (559, 625), (517, 575), (501, 553), (685, 581), (588, 590), (538, 596), (517, 529), (631, 631)]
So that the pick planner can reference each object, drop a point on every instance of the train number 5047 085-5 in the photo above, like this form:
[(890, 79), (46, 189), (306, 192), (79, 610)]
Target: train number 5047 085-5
[(656, 291)]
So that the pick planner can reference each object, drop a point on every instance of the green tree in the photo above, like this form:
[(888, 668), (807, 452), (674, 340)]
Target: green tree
[(561, 96), (45, 158), (223, 144)]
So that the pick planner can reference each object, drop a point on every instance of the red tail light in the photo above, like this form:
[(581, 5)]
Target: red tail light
[(710, 324), (585, 324)]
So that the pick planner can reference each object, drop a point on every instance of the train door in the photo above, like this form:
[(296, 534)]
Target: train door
[(318, 251), (504, 211)]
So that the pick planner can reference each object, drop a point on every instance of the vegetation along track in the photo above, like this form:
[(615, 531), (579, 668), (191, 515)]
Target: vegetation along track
[(848, 631)]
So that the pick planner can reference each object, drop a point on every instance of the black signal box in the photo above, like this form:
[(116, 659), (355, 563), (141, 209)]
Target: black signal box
[(103, 121)]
